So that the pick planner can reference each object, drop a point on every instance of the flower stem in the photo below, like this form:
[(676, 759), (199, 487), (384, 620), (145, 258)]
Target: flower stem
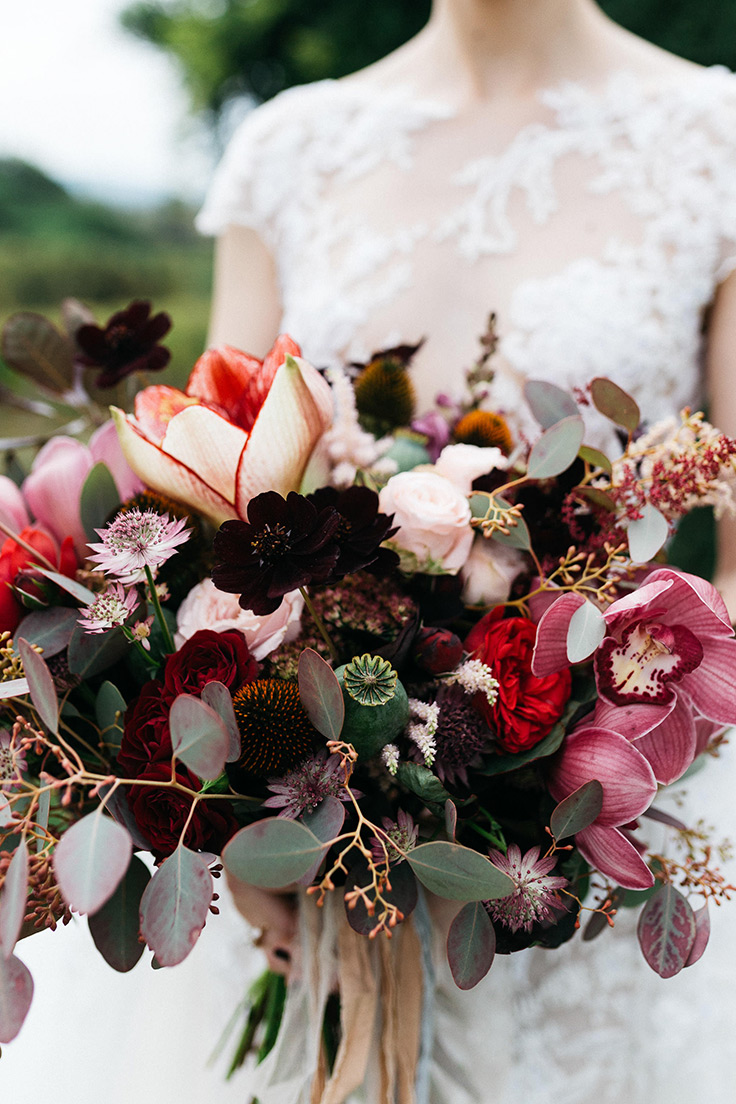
[(150, 662), (168, 639), (320, 625)]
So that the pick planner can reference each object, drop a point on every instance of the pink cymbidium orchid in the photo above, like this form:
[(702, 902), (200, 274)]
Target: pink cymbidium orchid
[(666, 656), (629, 786), (244, 426)]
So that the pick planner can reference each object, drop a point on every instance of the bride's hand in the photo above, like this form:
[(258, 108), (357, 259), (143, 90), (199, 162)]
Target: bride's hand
[(274, 912)]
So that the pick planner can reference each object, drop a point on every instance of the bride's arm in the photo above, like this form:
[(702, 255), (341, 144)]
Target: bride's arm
[(246, 303), (721, 368)]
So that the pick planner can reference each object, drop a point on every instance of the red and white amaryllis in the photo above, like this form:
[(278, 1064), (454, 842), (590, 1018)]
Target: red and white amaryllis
[(242, 427), (664, 657)]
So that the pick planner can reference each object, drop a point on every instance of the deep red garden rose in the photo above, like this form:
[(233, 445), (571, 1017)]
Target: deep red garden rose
[(146, 738), (206, 657), (161, 814), (527, 707)]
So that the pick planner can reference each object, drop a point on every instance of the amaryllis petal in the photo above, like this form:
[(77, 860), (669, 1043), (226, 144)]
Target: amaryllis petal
[(208, 443), (671, 747), (170, 477), (628, 781), (289, 424), (226, 378), (712, 687), (633, 719), (550, 650), (156, 406), (610, 852)]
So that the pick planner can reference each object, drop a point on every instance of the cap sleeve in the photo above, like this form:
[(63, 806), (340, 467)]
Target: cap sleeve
[(251, 184)]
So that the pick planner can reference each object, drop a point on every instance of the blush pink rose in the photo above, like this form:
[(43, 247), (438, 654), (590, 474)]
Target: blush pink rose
[(433, 516), (205, 607), (461, 464), (489, 571)]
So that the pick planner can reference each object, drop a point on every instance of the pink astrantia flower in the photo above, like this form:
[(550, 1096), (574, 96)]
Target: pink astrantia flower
[(305, 787), (109, 610), (12, 761), (402, 832), (667, 657), (135, 540), (535, 897), (629, 787)]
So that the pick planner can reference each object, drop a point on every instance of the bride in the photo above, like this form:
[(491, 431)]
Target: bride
[(534, 159), (531, 158)]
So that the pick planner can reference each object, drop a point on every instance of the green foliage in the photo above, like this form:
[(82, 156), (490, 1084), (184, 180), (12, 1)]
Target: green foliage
[(230, 48)]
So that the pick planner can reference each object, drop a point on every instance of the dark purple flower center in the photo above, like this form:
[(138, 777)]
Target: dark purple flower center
[(271, 542)]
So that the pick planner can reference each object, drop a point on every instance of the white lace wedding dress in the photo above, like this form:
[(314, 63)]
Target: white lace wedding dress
[(598, 233)]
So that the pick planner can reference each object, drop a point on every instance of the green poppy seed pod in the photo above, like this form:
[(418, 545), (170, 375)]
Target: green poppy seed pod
[(370, 726)]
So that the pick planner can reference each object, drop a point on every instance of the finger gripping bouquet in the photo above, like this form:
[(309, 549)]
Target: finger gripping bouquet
[(281, 624)]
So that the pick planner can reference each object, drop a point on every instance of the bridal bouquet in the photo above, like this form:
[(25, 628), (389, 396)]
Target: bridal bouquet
[(278, 622)]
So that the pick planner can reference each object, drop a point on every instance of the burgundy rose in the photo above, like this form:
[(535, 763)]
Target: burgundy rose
[(146, 738), (161, 814), (209, 656), (527, 707), (438, 650)]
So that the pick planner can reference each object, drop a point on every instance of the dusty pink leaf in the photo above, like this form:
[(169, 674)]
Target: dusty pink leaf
[(199, 738), (577, 811), (702, 935), (320, 694), (471, 945), (175, 904), (40, 685), (550, 649), (217, 696), (666, 931), (16, 994), (13, 898), (90, 860)]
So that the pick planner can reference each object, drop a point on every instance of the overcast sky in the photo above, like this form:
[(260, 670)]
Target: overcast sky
[(92, 105)]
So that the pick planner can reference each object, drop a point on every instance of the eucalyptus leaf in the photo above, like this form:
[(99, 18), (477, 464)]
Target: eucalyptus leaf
[(595, 458), (16, 994), (110, 706), (272, 853), (91, 653), (577, 811), (13, 900), (114, 927), (647, 534), (49, 629), (518, 535), (596, 497), (457, 872), (71, 586), (199, 738), (549, 403), (556, 449), (99, 499), (90, 860), (471, 945), (15, 688), (325, 822), (321, 694), (614, 403), (217, 696), (40, 685), (175, 904), (585, 632)]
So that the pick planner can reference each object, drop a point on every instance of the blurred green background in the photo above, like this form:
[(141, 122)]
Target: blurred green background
[(54, 244)]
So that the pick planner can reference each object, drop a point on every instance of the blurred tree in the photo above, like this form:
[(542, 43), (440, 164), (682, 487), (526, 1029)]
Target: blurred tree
[(231, 48)]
